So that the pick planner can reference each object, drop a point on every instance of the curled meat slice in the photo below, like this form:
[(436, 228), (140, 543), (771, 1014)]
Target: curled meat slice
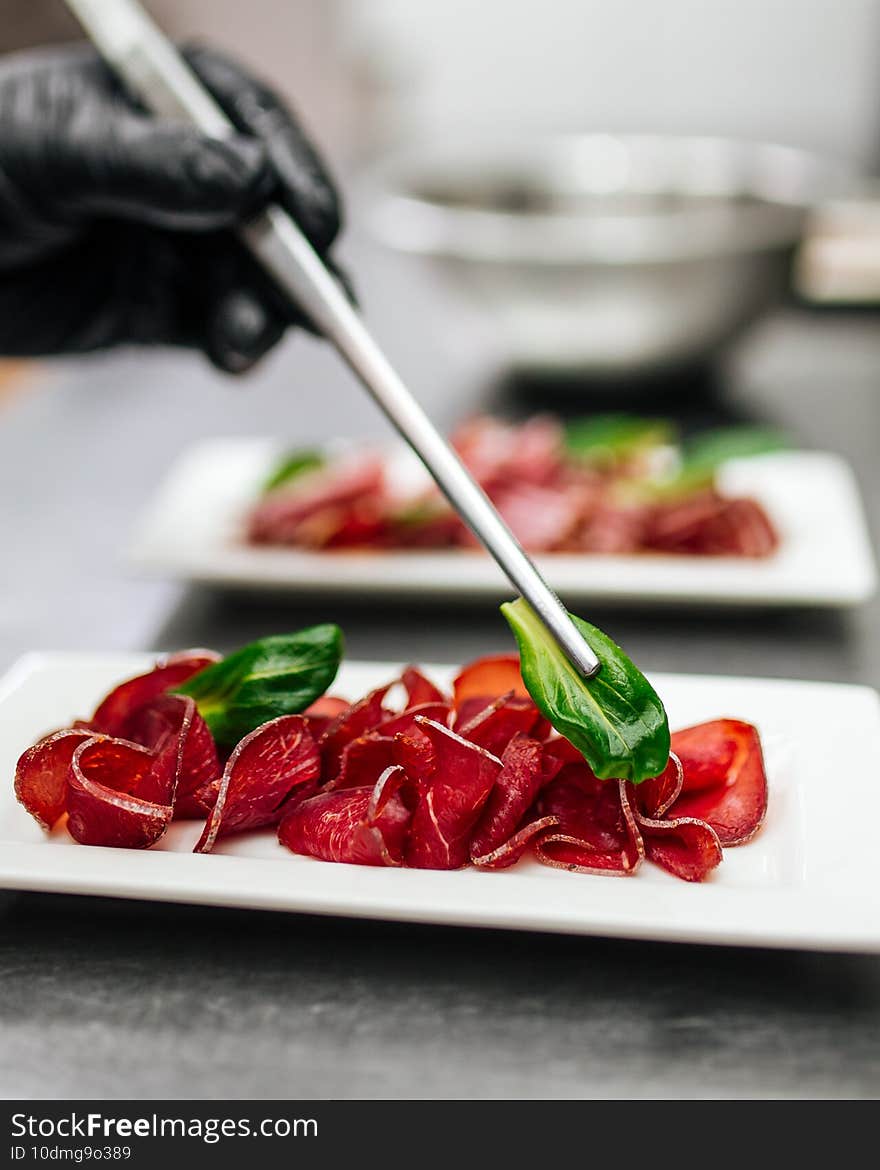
[(511, 850), (596, 830), (725, 783), (524, 772), (118, 794), (685, 846), (653, 797), (450, 799), (265, 770), (41, 774), (114, 711), (172, 726), (362, 826)]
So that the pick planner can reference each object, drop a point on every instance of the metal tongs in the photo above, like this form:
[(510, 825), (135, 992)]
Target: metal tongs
[(151, 68)]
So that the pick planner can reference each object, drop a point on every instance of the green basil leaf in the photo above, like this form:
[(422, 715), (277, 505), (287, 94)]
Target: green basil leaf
[(616, 719), (606, 439), (274, 676), (291, 466), (703, 455)]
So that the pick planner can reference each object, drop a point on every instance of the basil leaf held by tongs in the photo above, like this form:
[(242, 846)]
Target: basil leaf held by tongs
[(616, 719), (279, 675)]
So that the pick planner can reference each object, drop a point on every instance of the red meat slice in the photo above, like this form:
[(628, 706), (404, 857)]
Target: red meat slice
[(362, 826), (498, 452), (685, 846), (283, 516), (405, 722), (524, 771), (172, 726), (596, 832), (725, 783), (41, 774), (322, 713), (711, 525), (115, 797), (487, 678), (360, 718), (364, 760), (653, 797), (450, 800), (263, 772), (541, 518), (511, 850), (613, 529), (493, 727), (420, 689), (116, 709)]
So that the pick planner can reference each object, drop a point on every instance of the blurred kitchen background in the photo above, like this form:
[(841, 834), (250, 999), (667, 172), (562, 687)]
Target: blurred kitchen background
[(428, 82), (366, 73), (380, 80)]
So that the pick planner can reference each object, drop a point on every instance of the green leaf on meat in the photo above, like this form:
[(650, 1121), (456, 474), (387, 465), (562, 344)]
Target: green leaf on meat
[(279, 675), (616, 720)]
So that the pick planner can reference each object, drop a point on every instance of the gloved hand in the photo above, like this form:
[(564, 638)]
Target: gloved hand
[(114, 226)]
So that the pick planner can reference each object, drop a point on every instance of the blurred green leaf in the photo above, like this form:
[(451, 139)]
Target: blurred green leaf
[(605, 439), (292, 465)]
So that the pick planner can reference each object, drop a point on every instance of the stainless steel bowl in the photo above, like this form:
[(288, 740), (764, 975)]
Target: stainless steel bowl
[(606, 254)]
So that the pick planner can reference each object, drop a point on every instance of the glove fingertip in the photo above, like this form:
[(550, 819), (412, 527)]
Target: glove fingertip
[(241, 331)]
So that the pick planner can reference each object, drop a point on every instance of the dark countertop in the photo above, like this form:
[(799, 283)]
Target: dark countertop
[(112, 999)]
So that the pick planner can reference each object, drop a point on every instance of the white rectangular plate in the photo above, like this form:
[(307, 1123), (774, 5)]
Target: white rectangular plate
[(808, 880), (192, 531)]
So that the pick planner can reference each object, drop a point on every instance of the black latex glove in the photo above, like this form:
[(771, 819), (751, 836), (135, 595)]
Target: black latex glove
[(114, 226)]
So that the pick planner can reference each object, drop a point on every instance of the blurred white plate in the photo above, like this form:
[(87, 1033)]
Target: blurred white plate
[(808, 880), (192, 532)]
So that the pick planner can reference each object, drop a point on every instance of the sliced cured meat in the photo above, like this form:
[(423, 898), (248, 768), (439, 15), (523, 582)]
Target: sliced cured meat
[(725, 783), (524, 772), (361, 826), (360, 718), (112, 793), (262, 774), (554, 499), (283, 516), (113, 713), (497, 452), (511, 850), (322, 713), (685, 846), (172, 726), (450, 800), (405, 722), (653, 797), (493, 726), (41, 774), (541, 518), (487, 678), (364, 760), (596, 830), (711, 525), (420, 689), (614, 530)]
